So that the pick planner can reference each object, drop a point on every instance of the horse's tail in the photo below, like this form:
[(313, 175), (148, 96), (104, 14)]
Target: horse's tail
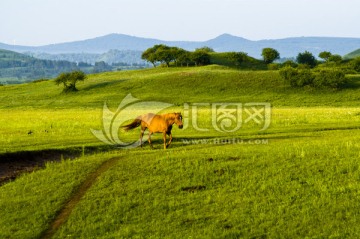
[(132, 125)]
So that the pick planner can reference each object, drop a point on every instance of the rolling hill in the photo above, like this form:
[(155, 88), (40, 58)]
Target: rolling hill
[(288, 47), (296, 179), (353, 54), (177, 85)]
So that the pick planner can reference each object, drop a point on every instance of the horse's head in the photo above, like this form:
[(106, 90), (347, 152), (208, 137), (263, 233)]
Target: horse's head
[(178, 120)]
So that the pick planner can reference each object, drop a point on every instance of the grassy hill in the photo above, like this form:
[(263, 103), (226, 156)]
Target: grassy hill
[(296, 179), (177, 86), (352, 54)]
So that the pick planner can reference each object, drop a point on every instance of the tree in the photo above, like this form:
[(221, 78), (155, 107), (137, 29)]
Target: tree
[(101, 66), (150, 54), (182, 57), (237, 57), (270, 55), (335, 58), (200, 57), (206, 49), (69, 80), (325, 55), (306, 58), (165, 54)]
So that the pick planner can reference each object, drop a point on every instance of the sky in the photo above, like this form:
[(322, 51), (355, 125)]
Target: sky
[(42, 22)]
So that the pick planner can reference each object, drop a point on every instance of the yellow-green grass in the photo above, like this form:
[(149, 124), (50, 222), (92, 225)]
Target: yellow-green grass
[(39, 129), (299, 178), (300, 185), (177, 86)]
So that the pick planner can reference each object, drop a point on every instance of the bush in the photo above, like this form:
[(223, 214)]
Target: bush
[(330, 78), (289, 63), (39, 80), (355, 64), (303, 78), (288, 73), (273, 66), (326, 78)]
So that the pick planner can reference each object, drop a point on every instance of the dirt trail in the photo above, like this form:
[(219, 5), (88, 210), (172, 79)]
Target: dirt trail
[(66, 210)]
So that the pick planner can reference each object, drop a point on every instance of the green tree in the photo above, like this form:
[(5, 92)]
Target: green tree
[(69, 80), (306, 58), (165, 54), (200, 57), (150, 54), (325, 55), (183, 57), (206, 49), (335, 58), (270, 55), (101, 66), (237, 57)]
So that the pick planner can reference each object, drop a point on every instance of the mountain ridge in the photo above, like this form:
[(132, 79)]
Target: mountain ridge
[(288, 47)]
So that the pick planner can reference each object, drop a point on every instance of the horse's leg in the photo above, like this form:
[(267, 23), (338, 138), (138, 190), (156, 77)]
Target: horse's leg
[(164, 136), (142, 134), (170, 135), (150, 133)]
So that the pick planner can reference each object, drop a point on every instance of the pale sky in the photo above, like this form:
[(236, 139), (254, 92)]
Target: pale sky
[(40, 22)]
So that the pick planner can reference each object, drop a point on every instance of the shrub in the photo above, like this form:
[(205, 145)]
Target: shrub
[(325, 78), (303, 78), (287, 72), (355, 64), (330, 78), (289, 63), (273, 66), (39, 80)]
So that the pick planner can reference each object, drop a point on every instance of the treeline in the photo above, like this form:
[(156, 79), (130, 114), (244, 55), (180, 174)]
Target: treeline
[(166, 55), (16, 68), (327, 71), (309, 72), (130, 57), (162, 54)]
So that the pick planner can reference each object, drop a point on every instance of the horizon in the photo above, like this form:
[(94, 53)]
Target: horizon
[(179, 40), (41, 22)]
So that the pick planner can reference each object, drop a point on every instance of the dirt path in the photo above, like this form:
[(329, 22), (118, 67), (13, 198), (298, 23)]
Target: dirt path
[(66, 210)]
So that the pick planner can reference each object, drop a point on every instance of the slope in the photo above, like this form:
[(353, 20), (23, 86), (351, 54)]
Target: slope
[(177, 86), (352, 54)]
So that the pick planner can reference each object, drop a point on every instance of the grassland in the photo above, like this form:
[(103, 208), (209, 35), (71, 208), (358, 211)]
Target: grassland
[(297, 179)]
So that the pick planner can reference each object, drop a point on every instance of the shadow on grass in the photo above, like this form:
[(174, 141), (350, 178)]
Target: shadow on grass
[(103, 85), (16, 163)]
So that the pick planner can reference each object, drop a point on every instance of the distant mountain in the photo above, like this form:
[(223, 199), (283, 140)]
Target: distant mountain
[(288, 47), (353, 54), (110, 57), (19, 68)]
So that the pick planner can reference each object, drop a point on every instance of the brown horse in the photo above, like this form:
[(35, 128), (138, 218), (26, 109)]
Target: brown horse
[(156, 124)]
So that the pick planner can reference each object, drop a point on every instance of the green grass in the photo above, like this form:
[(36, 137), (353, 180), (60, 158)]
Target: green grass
[(177, 86), (285, 188), (297, 179)]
